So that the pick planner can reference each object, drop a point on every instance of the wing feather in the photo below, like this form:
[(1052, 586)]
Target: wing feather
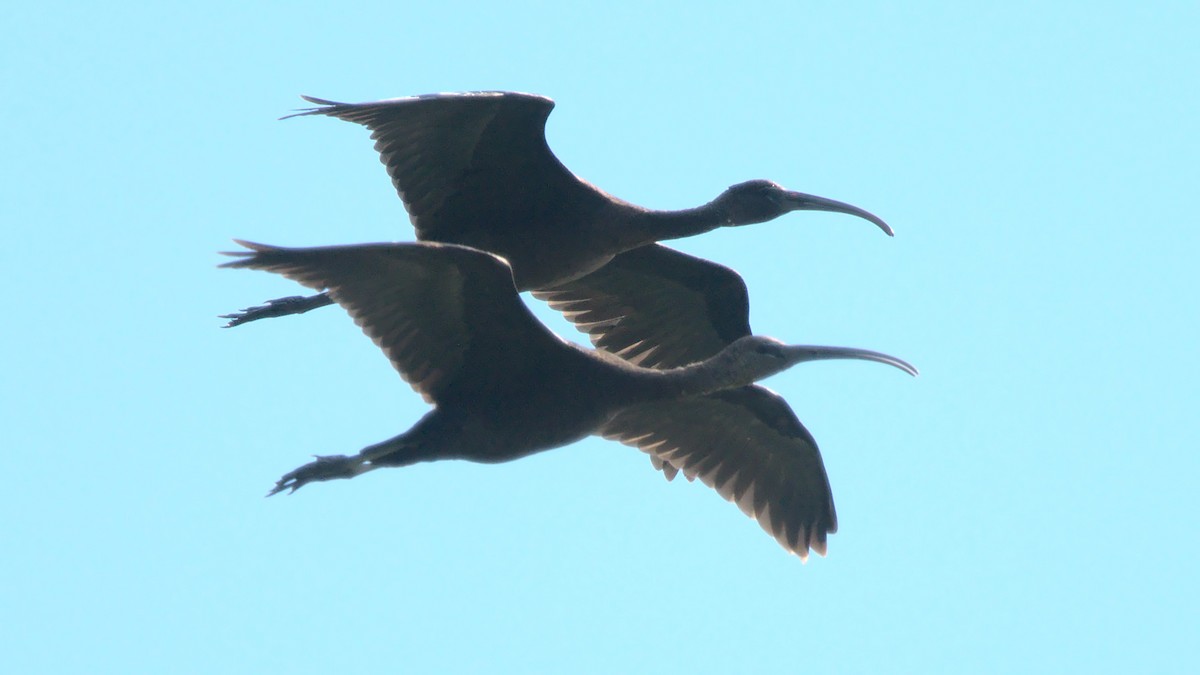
[(440, 312), (464, 161), (748, 445), (656, 306)]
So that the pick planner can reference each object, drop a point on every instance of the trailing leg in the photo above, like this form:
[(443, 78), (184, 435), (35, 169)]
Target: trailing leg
[(331, 467), (293, 304)]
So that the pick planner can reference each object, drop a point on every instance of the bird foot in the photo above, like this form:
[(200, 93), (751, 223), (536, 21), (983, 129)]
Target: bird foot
[(328, 467), (293, 304)]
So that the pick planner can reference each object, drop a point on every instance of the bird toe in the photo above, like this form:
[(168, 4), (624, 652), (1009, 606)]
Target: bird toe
[(327, 467)]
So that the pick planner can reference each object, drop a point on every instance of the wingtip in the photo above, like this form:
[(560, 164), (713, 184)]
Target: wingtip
[(253, 248), (819, 546), (319, 101), (816, 546), (323, 104)]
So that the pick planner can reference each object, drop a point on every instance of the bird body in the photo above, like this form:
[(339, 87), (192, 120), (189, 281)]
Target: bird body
[(475, 169), (522, 406), (450, 320)]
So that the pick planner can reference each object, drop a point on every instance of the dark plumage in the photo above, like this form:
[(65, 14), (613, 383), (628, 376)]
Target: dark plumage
[(503, 386), (475, 169)]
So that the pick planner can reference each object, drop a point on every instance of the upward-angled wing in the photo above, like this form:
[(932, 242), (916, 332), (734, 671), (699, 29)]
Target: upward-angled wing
[(441, 313), (656, 307), (462, 162), (747, 444)]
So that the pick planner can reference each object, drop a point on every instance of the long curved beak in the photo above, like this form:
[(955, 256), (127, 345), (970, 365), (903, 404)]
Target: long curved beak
[(802, 353), (798, 201)]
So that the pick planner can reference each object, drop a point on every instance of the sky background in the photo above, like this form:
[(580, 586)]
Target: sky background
[(1028, 504)]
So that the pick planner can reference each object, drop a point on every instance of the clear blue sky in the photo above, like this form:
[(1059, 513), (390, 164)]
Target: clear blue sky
[(1028, 504)]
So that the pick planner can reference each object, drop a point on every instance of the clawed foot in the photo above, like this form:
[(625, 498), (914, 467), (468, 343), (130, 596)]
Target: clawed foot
[(328, 467), (293, 304)]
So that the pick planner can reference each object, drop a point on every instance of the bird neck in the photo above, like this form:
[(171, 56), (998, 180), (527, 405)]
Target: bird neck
[(713, 374), (647, 226)]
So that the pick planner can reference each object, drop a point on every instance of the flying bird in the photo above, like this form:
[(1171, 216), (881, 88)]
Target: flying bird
[(450, 320), (475, 169)]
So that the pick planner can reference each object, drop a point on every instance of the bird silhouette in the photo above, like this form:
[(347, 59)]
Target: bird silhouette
[(475, 169), (450, 320)]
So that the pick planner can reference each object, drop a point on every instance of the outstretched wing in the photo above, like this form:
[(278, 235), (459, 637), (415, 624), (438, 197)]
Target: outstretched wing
[(441, 313), (459, 160), (656, 307), (746, 444)]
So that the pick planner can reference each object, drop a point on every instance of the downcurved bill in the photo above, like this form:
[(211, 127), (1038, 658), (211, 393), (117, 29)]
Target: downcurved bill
[(798, 201), (802, 353)]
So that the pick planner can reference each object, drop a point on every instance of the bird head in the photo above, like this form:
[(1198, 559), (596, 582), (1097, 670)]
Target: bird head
[(759, 357), (757, 201)]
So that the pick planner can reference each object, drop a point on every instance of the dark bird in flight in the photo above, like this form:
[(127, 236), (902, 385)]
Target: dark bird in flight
[(475, 169), (503, 386)]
